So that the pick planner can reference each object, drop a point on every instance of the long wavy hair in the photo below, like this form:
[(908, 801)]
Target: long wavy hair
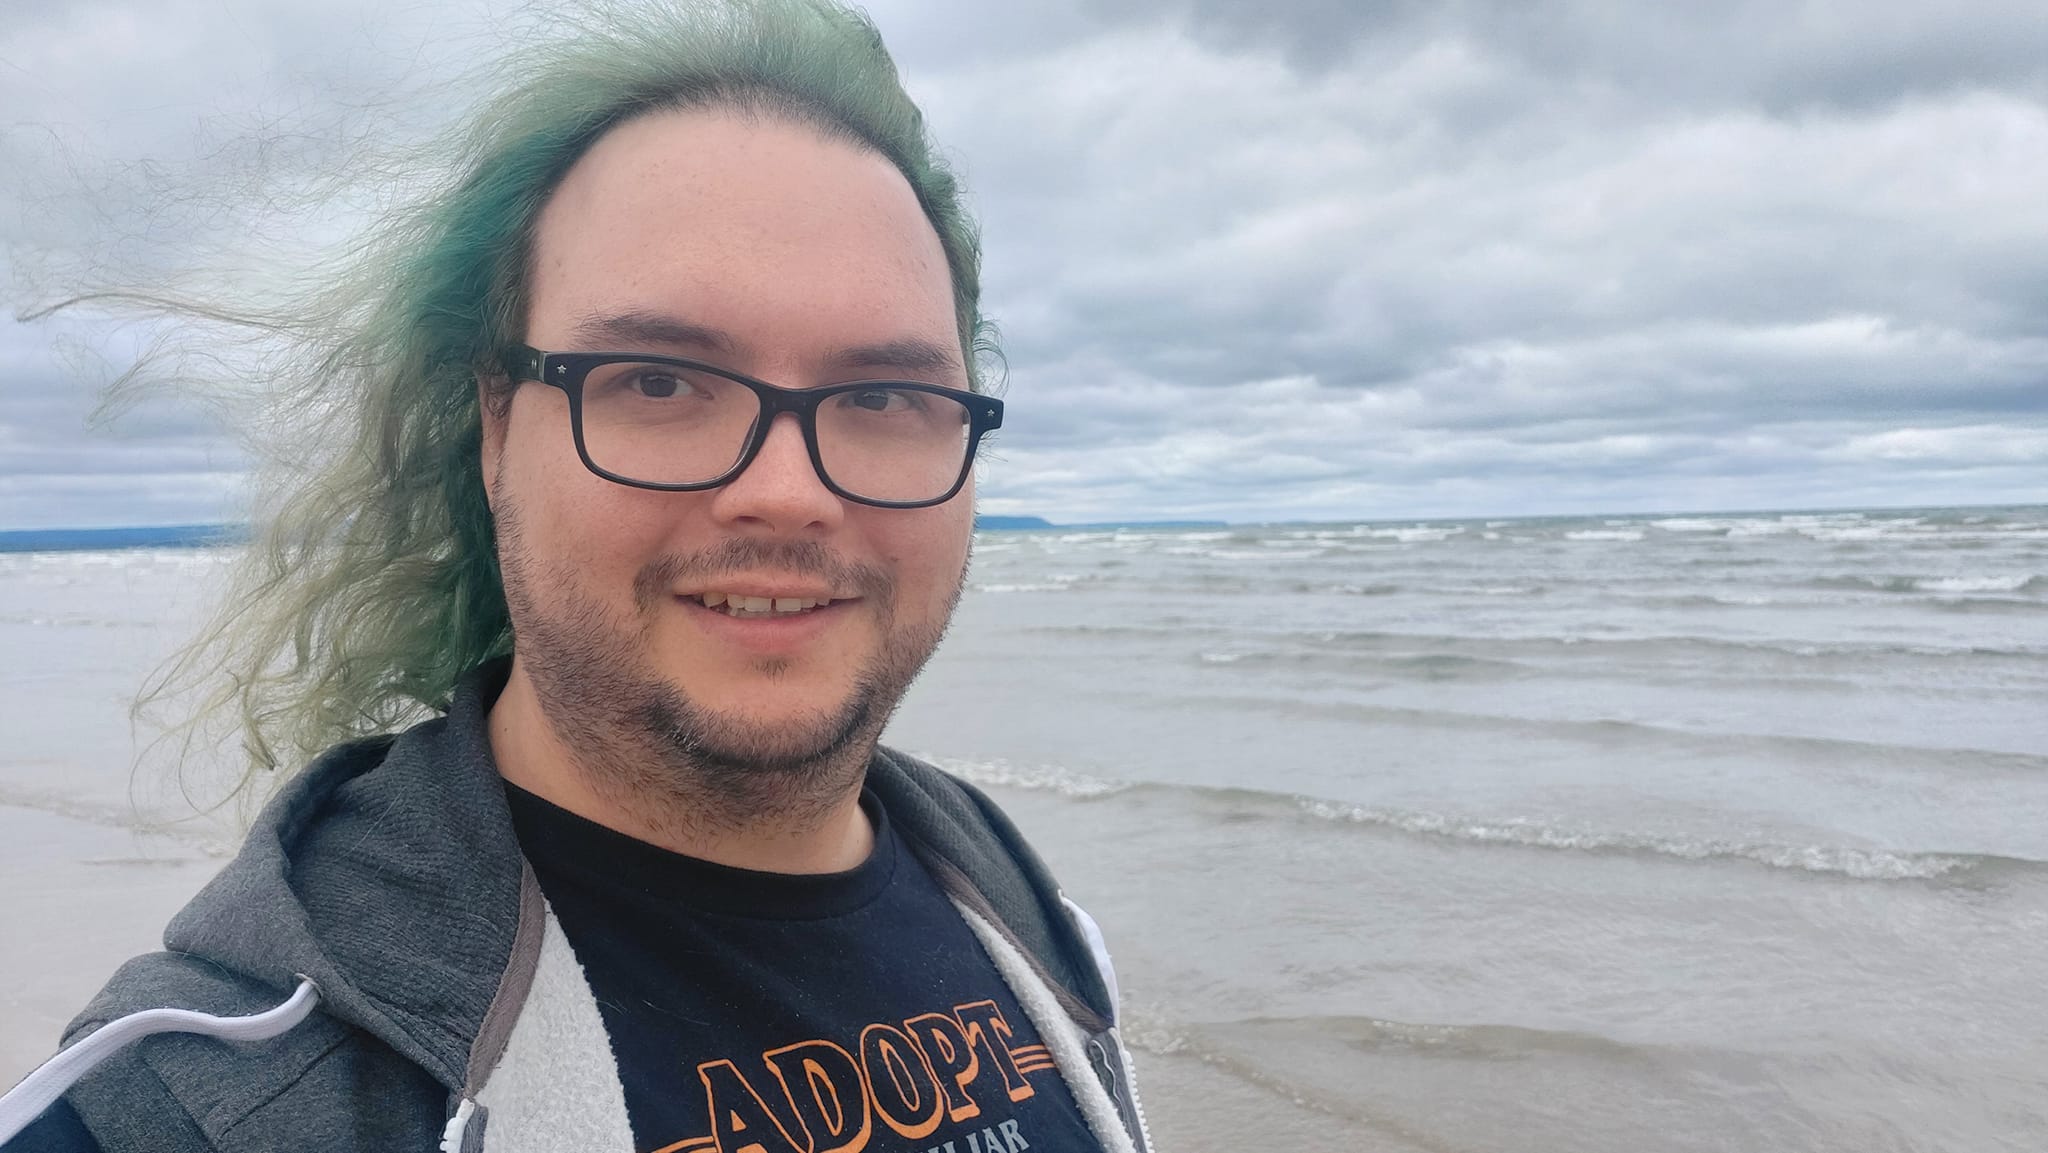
[(370, 585)]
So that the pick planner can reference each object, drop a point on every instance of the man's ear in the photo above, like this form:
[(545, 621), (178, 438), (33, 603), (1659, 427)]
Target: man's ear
[(494, 409)]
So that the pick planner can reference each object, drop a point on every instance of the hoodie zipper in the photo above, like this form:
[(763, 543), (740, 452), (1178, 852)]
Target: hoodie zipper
[(1112, 1068)]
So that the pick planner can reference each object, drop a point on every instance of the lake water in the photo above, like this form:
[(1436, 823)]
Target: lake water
[(1629, 833), (1662, 833)]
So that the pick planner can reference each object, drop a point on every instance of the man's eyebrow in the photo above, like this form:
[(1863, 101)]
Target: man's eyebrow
[(627, 331), (913, 354)]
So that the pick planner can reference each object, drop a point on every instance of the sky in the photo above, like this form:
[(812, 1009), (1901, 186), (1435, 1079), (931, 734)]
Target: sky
[(1285, 260)]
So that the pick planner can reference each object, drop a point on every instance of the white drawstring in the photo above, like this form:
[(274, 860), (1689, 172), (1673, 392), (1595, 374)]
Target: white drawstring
[(451, 1136), (40, 1089)]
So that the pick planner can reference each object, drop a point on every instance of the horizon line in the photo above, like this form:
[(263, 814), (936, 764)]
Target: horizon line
[(1790, 510)]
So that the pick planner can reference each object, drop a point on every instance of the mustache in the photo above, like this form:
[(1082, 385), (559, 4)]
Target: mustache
[(744, 555)]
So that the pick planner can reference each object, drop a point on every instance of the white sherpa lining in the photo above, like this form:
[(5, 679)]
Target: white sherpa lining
[(1092, 933), (1059, 1032), (557, 1086)]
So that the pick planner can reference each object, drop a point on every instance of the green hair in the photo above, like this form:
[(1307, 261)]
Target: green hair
[(371, 584)]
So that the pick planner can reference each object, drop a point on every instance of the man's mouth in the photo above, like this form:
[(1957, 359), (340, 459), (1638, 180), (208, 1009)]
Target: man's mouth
[(743, 606)]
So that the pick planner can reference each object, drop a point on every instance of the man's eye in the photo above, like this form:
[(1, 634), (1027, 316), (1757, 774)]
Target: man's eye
[(881, 399), (658, 385)]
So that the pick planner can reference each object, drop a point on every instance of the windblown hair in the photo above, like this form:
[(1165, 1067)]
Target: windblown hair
[(371, 583)]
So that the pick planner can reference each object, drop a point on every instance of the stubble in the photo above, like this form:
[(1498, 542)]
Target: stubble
[(642, 743)]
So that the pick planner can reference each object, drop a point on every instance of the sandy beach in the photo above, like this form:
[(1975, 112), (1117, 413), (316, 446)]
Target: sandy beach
[(82, 895)]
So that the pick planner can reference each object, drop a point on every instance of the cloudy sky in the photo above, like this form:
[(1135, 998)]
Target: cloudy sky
[(1325, 259)]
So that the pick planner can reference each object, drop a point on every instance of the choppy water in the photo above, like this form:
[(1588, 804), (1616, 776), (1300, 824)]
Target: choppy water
[(1628, 834), (1660, 833)]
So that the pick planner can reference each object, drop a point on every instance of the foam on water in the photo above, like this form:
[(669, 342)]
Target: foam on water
[(1664, 645), (1947, 585), (1984, 584), (1860, 864), (1412, 534), (65, 621), (1605, 534), (1046, 778), (1239, 554), (1352, 590), (101, 559), (1237, 804)]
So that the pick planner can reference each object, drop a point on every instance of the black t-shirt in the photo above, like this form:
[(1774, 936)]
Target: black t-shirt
[(58, 1130), (777, 1013)]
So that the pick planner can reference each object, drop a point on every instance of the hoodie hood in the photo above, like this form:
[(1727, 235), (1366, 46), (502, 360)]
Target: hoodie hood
[(387, 872)]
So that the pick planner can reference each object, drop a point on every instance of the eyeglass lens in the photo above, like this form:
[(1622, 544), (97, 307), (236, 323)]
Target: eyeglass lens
[(666, 424)]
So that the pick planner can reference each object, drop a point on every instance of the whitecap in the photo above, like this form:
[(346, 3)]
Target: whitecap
[(1414, 534), (1599, 534), (1694, 524), (1858, 863), (1984, 584), (1276, 554), (1048, 778)]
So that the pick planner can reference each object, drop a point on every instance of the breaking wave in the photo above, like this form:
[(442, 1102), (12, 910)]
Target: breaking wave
[(1941, 586), (1861, 864), (1502, 644), (1238, 804)]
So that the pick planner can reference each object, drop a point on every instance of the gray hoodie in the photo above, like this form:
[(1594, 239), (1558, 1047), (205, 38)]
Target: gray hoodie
[(451, 1011)]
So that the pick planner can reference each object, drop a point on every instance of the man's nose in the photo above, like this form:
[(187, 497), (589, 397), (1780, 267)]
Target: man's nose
[(780, 488)]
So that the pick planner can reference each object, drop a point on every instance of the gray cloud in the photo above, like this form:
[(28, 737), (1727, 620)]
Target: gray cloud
[(1293, 258), (1538, 261), (1782, 57)]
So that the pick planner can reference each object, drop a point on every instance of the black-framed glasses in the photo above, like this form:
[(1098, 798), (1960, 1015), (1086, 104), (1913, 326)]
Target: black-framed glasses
[(676, 425)]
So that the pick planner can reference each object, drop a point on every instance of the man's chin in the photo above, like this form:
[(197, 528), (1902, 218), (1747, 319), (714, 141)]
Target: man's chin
[(754, 736)]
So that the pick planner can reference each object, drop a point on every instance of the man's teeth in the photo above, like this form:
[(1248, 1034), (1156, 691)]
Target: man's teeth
[(740, 605)]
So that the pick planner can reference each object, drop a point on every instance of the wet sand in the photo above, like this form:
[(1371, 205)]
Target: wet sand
[(81, 896)]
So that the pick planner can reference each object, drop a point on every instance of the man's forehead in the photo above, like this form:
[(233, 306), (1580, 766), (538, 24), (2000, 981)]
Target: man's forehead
[(769, 181), (701, 232)]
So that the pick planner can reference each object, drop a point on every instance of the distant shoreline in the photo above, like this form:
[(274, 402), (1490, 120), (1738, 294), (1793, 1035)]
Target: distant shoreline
[(214, 535), (142, 536), (1040, 524)]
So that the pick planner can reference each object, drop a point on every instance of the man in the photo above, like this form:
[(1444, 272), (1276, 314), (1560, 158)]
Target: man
[(677, 382)]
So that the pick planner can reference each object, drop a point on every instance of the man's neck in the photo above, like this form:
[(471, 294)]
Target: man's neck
[(530, 754)]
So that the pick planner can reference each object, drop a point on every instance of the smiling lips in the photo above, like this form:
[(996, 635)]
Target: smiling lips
[(752, 606)]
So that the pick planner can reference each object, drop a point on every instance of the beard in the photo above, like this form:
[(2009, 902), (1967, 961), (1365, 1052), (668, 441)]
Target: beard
[(642, 743)]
